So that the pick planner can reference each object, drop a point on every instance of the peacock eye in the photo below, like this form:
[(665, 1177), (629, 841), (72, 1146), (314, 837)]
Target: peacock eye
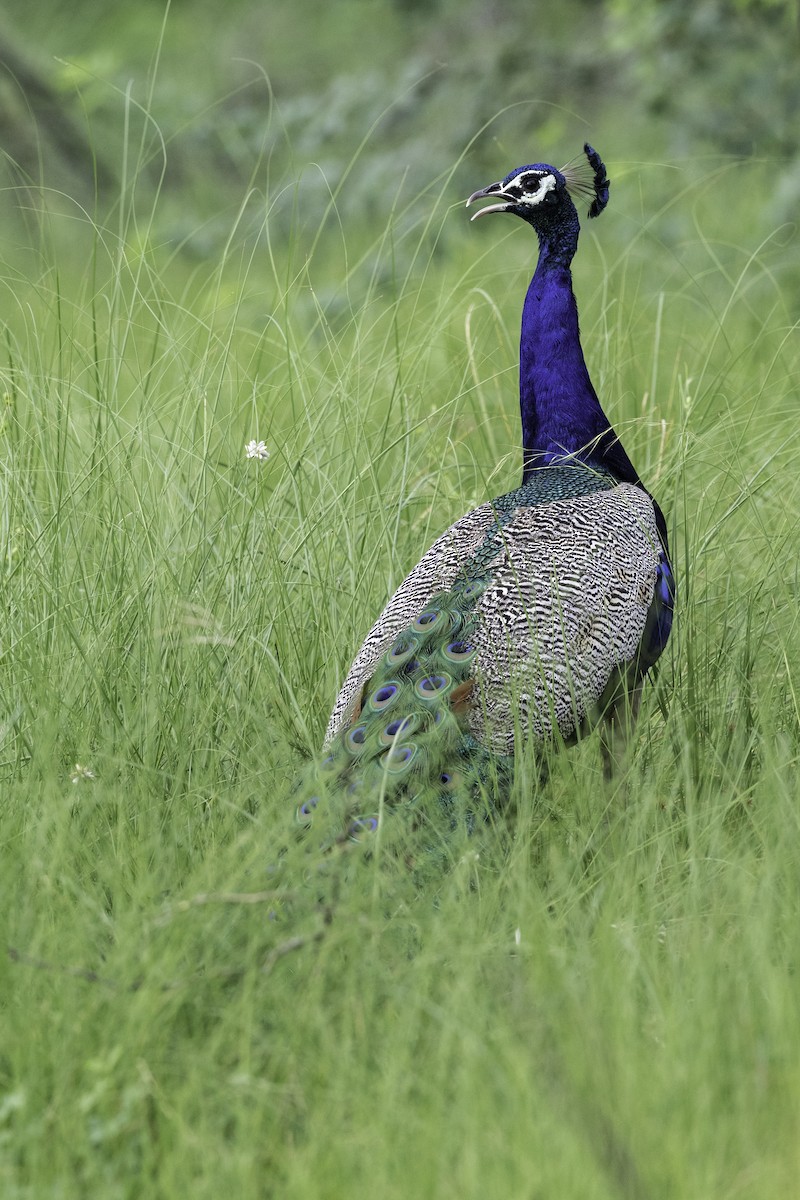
[(531, 182)]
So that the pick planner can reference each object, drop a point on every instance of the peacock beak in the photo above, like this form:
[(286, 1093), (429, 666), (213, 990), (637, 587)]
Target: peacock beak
[(494, 189)]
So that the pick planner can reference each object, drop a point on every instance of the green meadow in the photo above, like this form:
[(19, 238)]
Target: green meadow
[(599, 1000)]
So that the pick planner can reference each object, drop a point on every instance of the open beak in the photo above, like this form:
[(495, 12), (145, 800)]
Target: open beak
[(494, 189)]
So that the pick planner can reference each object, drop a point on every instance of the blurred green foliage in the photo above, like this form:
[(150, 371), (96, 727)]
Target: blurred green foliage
[(213, 101), (724, 71)]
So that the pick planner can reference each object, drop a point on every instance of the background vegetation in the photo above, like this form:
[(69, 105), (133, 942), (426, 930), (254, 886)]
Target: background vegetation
[(219, 227)]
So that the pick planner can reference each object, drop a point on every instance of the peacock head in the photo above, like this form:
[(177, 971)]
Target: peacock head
[(540, 194)]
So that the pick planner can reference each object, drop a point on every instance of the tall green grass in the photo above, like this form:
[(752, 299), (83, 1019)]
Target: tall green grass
[(603, 1003)]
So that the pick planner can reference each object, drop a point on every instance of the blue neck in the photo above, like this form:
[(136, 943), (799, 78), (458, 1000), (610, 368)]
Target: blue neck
[(561, 414)]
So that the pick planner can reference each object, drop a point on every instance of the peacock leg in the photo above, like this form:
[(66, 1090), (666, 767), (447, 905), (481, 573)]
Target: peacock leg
[(617, 727)]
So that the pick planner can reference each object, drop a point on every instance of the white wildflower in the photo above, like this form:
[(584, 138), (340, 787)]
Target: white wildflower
[(81, 773), (256, 449)]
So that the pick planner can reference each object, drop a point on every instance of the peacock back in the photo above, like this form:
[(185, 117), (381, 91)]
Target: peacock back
[(513, 626)]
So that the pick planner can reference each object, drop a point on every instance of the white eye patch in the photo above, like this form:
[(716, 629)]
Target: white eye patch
[(535, 195)]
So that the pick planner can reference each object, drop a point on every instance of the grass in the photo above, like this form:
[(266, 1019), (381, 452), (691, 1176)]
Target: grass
[(605, 1004)]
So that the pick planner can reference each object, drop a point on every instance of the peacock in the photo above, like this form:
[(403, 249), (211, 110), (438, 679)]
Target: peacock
[(536, 615)]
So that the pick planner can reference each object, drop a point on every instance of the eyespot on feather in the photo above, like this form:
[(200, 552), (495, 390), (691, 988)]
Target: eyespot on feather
[(384, 696), (399, 728), (432, 687), (362, 825), (469, 588), (399, 759), (401, 651), (355, 739), (431, 620), (459, 652), (305, 810)]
